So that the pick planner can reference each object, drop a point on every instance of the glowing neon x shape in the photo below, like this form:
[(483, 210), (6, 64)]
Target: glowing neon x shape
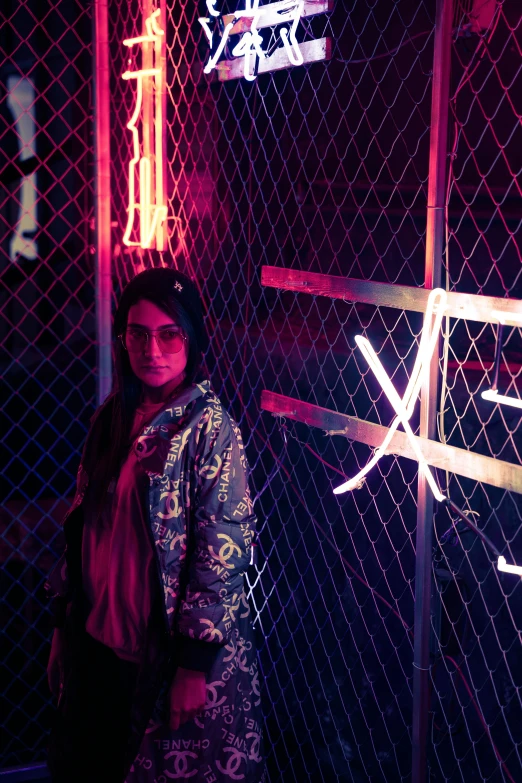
[(404, 407)]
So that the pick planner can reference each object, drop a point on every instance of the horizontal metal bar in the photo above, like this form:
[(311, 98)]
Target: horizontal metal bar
[(465, 463), (472, 307), (272, 14), (311, 51)]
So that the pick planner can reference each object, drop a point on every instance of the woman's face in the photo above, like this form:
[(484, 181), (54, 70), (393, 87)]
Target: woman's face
[(153, 366)]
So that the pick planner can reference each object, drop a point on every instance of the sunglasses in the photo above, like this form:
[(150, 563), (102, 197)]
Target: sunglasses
[(135, 340)]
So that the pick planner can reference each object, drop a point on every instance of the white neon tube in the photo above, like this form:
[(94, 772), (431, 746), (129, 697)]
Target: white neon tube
[(509, 569), (289, 40), (249, 44), (204, 22), (213, 60), (403, 414), (502, 399), (211, 8), (404, 407)]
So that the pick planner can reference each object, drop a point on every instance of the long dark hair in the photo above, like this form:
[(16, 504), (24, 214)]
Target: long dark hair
[(175, 294)]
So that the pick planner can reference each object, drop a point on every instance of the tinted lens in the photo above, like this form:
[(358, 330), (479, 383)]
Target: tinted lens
[(169, 340)]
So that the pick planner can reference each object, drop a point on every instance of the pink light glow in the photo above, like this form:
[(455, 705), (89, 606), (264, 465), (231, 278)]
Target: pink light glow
[(150, 206)]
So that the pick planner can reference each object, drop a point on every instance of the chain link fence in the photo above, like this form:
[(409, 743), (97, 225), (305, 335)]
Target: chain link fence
[(323, 168), (477, 619), (319, 168), (47, 327)]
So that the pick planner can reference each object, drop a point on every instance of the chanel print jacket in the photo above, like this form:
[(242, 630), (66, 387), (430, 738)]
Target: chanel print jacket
[(202, 524)]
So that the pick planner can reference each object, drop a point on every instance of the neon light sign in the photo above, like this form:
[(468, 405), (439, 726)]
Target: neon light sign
[(248, 22), (403, 407), (147, 164), (21, 100)]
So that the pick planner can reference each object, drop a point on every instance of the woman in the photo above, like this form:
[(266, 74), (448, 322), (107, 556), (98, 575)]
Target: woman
[(153, 659)]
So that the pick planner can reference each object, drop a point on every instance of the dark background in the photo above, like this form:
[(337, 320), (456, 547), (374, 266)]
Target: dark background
[(319, 168)]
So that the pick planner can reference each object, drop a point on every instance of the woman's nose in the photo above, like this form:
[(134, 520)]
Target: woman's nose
[(152, 347)]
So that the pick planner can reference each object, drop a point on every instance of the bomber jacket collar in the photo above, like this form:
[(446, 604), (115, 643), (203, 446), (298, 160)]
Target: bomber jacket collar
[(176, 406), (173, 411), (153, 445)]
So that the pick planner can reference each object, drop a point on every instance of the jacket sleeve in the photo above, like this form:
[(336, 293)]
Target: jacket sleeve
[(223, 527)]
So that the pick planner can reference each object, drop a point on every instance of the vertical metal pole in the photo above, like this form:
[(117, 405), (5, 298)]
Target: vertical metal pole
[(435, 234), (161, 133), (102, 176)]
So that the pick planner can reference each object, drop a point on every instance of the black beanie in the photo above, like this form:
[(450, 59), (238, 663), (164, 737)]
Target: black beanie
[(166, 282)]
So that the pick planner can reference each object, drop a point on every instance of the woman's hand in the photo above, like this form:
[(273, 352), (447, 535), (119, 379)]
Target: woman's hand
[(188, 695), (55, 665)]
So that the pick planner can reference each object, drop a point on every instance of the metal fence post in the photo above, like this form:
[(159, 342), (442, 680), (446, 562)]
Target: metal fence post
[(102, 162), (435, 232)]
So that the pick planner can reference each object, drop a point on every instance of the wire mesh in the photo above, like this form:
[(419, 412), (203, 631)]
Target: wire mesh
[(324, 168), (47, 330), (475, 674), (319, 168)]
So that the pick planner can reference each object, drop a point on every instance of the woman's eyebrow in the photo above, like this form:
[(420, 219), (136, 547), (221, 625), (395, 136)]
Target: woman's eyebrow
[(164, 326)]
